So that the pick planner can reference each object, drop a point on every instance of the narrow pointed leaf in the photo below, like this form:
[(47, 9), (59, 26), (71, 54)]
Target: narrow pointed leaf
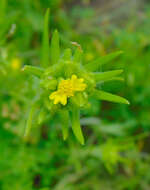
[(95, 65), (45, 42), (106, 75), (99, 94), (75, 119), (114, 79), (42, 116), (77, 55), (29, 122), (36, 71), (67, 54), (55, 49), (64, 118)]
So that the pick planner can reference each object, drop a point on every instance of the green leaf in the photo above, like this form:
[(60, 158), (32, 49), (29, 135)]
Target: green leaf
[(75, 119), (114, 78), (49, 84), (45, 42), (77, 55), (67, 54), (36, 71), (29, 121), (106, 75), (64, 117), (55, 49), (42, 116), (99, 94), (95, 65)]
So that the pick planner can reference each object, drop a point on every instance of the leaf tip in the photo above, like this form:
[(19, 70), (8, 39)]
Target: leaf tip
[(65, 137), (47, 11), (126, 101), (56, 31)]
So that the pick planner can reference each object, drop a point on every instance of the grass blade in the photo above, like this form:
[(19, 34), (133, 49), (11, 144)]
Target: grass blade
[(45, 42)]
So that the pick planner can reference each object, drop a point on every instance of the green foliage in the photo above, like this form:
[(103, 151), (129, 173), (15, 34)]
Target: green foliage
[(116, 136), (94, 65), (63, 68)]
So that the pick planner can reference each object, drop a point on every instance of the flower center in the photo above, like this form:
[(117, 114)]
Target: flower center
[(67, 88)]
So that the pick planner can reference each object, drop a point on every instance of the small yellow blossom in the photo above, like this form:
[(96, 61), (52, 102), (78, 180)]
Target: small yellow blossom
[(66, 89), (16, 64), (78, 84)]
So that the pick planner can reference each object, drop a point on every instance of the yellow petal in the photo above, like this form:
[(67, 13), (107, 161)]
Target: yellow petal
[(56, 100), (78, 84), (63, 100), (53, 95)]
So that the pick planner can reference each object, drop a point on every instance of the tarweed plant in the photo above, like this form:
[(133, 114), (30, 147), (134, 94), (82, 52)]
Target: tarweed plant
[(66, 84)]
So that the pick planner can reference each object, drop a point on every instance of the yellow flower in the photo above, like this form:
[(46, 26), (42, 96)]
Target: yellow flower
[(66, 89), (77, 84), (16, 64)]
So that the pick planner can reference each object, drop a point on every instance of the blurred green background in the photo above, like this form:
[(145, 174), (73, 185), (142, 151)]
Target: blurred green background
[(117, 150)]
